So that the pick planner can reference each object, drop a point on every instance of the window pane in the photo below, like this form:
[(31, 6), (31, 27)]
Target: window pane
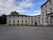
[(26, 21), (9, 21), (13, 21), (22, 21), (31, 21), (18, 21)]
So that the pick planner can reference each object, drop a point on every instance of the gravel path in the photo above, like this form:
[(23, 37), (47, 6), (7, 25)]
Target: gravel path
[(26, 33)]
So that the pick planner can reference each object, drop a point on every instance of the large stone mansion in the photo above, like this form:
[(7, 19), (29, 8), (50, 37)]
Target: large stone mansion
[(47, 13), (45, 18), (17, 19)]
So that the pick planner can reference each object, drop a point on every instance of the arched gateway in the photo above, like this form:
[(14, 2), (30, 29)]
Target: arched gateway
[(35, 23)]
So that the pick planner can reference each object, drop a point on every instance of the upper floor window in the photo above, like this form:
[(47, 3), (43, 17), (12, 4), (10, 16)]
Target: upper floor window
[(42, 8), (46, 11), (43, 14), (45, 6), (50, 9)]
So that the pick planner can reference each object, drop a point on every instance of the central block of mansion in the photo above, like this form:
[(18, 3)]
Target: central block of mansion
[(17, 19)]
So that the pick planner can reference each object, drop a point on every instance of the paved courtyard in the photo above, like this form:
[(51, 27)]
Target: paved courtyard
[(26, 33)]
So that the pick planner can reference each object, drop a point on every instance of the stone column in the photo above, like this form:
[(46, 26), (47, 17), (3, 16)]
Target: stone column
[(49, 20)]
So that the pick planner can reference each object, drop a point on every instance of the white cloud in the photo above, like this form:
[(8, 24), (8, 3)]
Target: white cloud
[(37, 12), (26, 3), (6, 6)]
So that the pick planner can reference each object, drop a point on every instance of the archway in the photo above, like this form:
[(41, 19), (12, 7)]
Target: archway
[(51, 19), (35, 23)]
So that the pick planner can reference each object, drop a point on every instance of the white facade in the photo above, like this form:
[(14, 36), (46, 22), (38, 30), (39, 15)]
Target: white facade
[(47, 12), (38, 19), (20, 20)]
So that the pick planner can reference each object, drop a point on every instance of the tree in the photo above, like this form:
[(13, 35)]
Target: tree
[(14, 13), (3, 19)]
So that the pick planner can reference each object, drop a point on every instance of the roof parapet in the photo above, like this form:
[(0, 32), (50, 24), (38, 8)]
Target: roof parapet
[(45, 3)]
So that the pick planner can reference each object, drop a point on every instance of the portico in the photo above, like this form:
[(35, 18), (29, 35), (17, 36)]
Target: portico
[(50, 19)]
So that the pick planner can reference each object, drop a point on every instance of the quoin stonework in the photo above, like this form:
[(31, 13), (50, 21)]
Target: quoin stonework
[(47, 13)]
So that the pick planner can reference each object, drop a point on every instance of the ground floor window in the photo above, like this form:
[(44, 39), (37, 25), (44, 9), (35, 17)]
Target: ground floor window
[(13, 21), (9, 21), (42, 20), (26, 21), (17, 21), (22, 21), (32, 21)]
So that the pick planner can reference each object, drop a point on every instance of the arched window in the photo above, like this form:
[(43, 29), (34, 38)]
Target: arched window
[(50, 10), (9, 21), (22, 21), (13, 21), (31, 21), (17, 21), (26, 21)]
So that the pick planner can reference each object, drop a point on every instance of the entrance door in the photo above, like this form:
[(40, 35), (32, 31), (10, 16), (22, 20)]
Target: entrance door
[(35, 23)]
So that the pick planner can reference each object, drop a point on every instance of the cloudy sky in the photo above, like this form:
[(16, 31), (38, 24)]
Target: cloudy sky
[(27, 7)]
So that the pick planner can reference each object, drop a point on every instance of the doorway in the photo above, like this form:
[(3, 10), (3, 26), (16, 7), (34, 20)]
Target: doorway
[(35, 23)]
